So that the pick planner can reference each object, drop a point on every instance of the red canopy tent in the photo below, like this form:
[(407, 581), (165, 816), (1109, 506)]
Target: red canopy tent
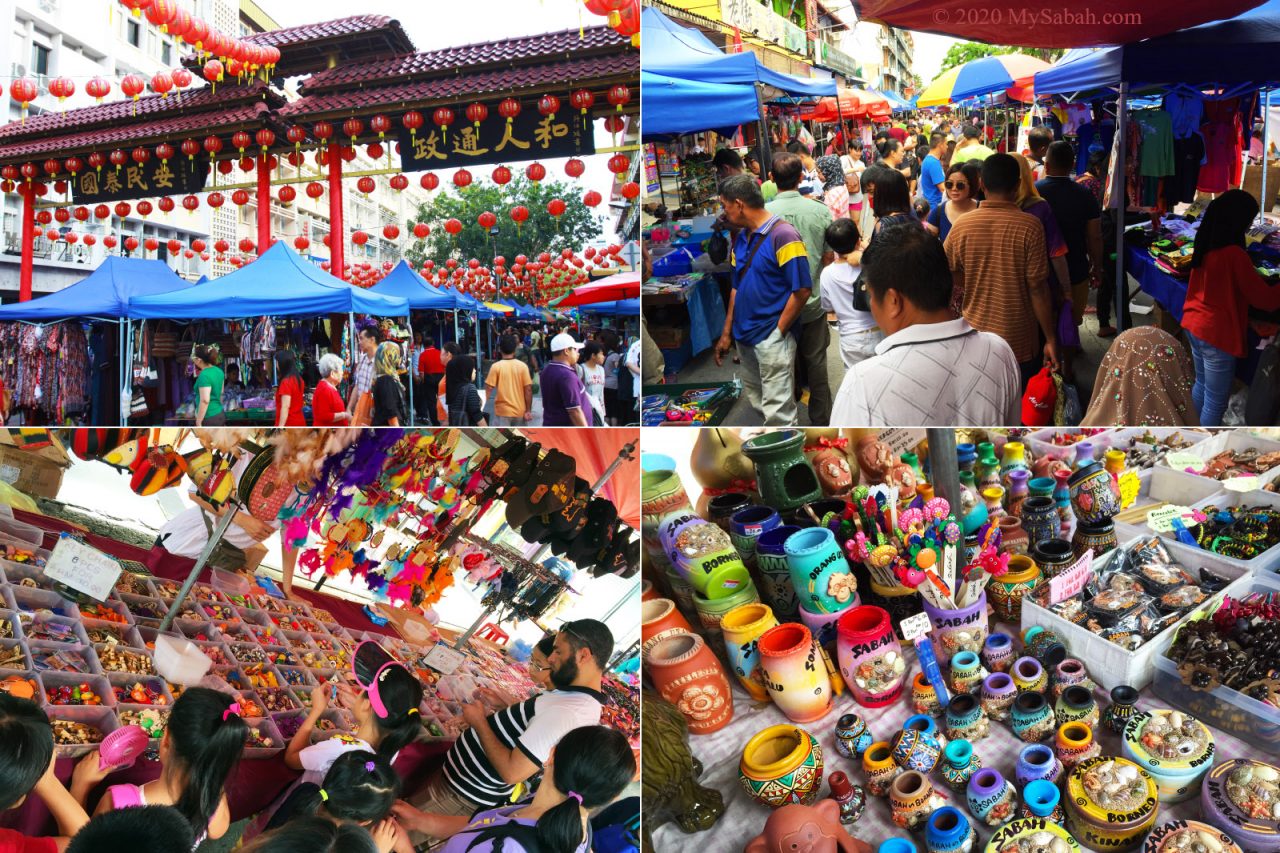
[(623, 285), (1069, 23), (850, 103)]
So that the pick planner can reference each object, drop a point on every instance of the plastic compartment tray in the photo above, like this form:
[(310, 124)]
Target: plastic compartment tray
[(307, 679), (97, 683), (32, 623), (1231, 439), (114, 606), (128, 634), (16, 573), (22, 666), (343, 723), (99, 649), (281, 656), (102, 718), (26, 598), (1253, 722), (15, 624), (155, 682), (215, 648), (1040, 443), (40, 648), (1110, 665), (194, 631), (142, 607), (245, 653), (298, 641), (1269, 560), (294, 704), (22, 532), (211, 609), (267, 729), (1161, 485)]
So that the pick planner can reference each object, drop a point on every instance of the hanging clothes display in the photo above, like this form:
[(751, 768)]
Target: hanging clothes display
[(49, 371), (1186, 109), (1156, 152), (1222, 169)]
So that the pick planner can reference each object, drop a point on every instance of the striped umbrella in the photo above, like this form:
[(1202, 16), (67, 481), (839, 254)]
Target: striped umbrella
[(983, 77)]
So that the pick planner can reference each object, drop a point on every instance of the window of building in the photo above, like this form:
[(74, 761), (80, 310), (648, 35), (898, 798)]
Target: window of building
[(39, 59), (166, 53), (133, 32)]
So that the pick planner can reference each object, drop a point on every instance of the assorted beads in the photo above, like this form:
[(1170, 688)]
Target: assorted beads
[(153, 721), (72, 694), (114, 658), (73, 733)]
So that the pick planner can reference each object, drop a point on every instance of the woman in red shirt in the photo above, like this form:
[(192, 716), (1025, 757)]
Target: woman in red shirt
[(289, 392), (1224, 286), (327, 406)]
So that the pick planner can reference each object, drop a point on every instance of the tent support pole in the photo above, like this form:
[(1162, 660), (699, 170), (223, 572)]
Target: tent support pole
[(218, 532), (28, 243), (766, 165), (120, 321), (1263, 207), (351, 324), (264, 203), (1119, 198), (128, 372), (337, 229), (479, 350), (408, 319)]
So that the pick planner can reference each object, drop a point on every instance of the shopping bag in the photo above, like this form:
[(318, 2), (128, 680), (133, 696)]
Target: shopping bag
[(1068, 332), (363, 415)]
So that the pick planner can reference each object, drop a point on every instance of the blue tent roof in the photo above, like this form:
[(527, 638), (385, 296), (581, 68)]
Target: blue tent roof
[(105, 292), (404, 282), (620, 308), (672, 106), (279, 283), (523, 312), (684, 53), (896, 102)]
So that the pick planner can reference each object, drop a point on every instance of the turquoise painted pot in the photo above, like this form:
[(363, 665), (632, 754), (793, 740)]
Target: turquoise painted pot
[(822, 577), (1032, 718), (965, 718)]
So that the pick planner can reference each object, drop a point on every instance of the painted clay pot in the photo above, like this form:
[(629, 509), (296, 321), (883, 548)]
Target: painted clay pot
[(949, 831), (711, 611), (659, 618), (688, 675), (870, 657), (1052, 555), (1069, 673), (1042, 799), (1029, 676), (967, 673), (1100, 538), (966, 455), (1017, 491), (1032, 718), (681, 592), (993, 496), (1180, 836), (924, 699), (1039, 520), (1074, 743), (834, 474), (785, 478), (991, 798), (1041, 483), (661, 493), (1076, 705), (648, 591), (917, 746), (1094, 497), (698, 550), (912, 799), (1013, 539), (853, 737), (1044, 645), (879, 768), (794, 672), (998, 693), (824, 626), (1036, 762), (966, 719), (959, 763), (1123, 699), (775, 577), (724, 507), (1174, 747), (728, 580), (1030, 832), (1005, 592), (959, 630), (997, 652), (1239, 796), (1104, 816), (747, 526), (821, 575), (742, 627), (1062, 495), (851, 798), (875, 459), (781, 765)]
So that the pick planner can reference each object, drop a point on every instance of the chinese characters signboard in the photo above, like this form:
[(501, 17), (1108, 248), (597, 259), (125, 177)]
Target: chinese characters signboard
[(147, 180), (530, 136)]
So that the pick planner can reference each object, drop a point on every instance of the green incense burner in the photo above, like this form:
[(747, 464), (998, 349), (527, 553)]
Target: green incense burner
[(785, 478)]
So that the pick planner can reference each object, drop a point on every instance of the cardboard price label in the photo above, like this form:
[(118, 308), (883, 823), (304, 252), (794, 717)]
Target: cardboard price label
[(902, 440), (1161, 520), (1129, 485), (1242, 484), (1068, 583), (82, 567), (444, 659), (1182, 461), (915, 626)]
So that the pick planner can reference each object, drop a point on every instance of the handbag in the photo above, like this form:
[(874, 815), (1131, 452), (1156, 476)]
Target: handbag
[(263, 487), (138, 407), (91, 444), (1068, 332), (159, 468)]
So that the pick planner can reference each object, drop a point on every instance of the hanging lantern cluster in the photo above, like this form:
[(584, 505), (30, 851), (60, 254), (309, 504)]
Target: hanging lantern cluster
[(623, 16)]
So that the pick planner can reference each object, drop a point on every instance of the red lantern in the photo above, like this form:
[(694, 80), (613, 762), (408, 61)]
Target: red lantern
[(509, 108), (630, 190), (353, 127), (619, 164), (221, 247), (265, 138), (453, 226), (374, 150), (619, 96), (429, 181), (96, 160), (191, 203), (240, 198), (615, 124), (443, 117), (574, 167), (391, 232), (246, 246), (173, 246), (24, 90), (90, 240), (486, 220), (215, 200), (501, 175), (556, 207), (359, 238), (241, 140), (98, 88), (461, 178), (301, 243), (476, 113), (214, 71), (164, 151), (140, 155), (198, 245), (144, 208), (535, 171), (582, 99), (161, 13), (380, 125), (235, 67), (323, 130), (110, 241), (101, 211), (627, 21), (412, 120), (62, 88), (519, 215), (181, 79), (399, 183), (52, 167), (161, 83), (81, 213), (549, 105), (213, 145), (191, 148), (315, 189), (131, 244), (62, 214), (132, 85), (197, 32), (366, 185), (421, 230), (165, 204), (287, 194)]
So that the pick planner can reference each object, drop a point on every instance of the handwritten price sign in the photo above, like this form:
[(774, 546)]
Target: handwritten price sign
[(444, 659), (1071, 581), (82, 567)]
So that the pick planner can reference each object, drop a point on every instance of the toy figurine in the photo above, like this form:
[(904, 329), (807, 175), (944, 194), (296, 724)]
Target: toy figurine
[(805, 829)]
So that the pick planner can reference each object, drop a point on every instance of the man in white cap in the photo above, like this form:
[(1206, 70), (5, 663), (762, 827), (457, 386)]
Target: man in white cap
[(564, 397)]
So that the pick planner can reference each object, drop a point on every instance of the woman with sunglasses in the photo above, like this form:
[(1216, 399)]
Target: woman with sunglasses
[(961, 188)]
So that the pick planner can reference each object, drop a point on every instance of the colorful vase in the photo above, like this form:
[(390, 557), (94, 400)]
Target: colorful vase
[(661, 493), (966, 719), (853, 737), (1013, 457), (924, 699), (742, 627), (1044, 645), (687, 674), (870, 657), (820, 573), (1100, 538), (959, 762), (794, 672), (1053, 556), (775, 577), (896, 845), (917, 746), (912, 799), (1094, 496), (700, 550), (850, 797), (993, 497), (1017, 493), (728, 580), (1103, 818), (1039, 487), (1040, 519), (1084, 455), (824, 626), (1031, 717), (1036, 762), (949, 831), (1041, 799), (987, 468), (1062, 495), (998, 693), (967, 673), (781, 765), (1006, 592), (957, 630), (680, 590), (1075, 705), (879, 768), (1074, 743), (1181, 835), (997, 651), (711, 611), (966, 455), (1032, 834), (1248, 812), (659, 619), (1174, 747), (991, 798), (723, 508), (1069, 673), (1117, 714), (1029, 676), (747, 526), (1013, 539), (785, 478)]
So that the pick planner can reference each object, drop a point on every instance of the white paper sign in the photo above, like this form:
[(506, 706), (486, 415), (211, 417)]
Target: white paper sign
[(915, 626), (902, 440), (82, 567), (1242, 484), (444, 659), (1161, 520), (1067, 583)]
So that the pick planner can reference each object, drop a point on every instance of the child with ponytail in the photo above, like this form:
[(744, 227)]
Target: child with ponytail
[(589, 767)]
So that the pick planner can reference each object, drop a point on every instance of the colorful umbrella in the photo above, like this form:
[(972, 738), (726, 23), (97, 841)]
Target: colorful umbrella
[(620, 286), (854, 103), (983, 77)]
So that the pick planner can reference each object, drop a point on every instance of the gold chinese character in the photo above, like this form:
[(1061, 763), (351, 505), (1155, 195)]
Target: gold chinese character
[(468, 143), (508, 137), (426, 147), (111, 183), (163, 176), (135, 178), (89, 183), (548, 130)]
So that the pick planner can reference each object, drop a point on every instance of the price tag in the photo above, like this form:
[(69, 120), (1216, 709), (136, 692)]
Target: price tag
[(1130, 485), (1161, 520), (902, 440), (915, 626), (82, 567), (1183, 460), (949, 567), (1071, 581), (444, 659), (1242, 484)]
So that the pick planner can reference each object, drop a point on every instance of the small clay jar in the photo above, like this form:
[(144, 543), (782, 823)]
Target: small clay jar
[(659, 619), (1039, 521), (780, 765), (1041, 799), (1075, 743), (917, 746), (879, 768), (687, 674), (1103, 819), (1094, 497), (998, 693), (1044, 645), (1099, 538), (966, 719), (851, 797), (959, 763), (1037, 762), (1013, 539), (949, 831), (1029, 676), (747, 526), (1053, 555), (1006, 591), (1032, 717), (991, 798), (997, 653), (723, 508), (794, 672), (853, 737), (1123, 700), (967, 673), (774, 573), (924, 699), (870, 656), (742, 627), (912, 799), (1076, 705), (1069, 673), (1251, 782)]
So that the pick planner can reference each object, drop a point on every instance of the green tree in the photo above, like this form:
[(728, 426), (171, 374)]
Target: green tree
[(539, 233), (967, 51)]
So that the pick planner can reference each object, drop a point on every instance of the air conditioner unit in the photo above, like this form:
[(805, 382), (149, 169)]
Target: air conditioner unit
[(19, 70)]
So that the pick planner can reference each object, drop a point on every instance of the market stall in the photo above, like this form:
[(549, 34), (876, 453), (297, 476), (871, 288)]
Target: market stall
[(880, 624)]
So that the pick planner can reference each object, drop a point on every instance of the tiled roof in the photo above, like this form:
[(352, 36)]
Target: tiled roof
[(485, 83), (310, 48), (342, 28), (542, 47)]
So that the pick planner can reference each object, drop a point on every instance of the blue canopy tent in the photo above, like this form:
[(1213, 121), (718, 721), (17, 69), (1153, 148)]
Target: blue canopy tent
[(403, 281), (620, 308), (896, 102), (673, 106)]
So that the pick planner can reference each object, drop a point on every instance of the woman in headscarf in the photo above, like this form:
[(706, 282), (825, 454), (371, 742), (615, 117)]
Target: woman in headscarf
[(388, 393), (1144, 380), (835, 194), (461, 395)]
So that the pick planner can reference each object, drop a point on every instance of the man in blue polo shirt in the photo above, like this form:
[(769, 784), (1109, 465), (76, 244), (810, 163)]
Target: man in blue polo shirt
[(771, 282)]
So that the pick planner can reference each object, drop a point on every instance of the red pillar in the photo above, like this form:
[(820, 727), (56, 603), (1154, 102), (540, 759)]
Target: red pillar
[(28, 242), (337, 230), (264, 203)]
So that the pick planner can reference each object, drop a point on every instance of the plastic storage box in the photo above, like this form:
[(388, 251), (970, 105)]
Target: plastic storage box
[(1041, 443), (1231, 439), (1269, 560), (1161, 485)]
